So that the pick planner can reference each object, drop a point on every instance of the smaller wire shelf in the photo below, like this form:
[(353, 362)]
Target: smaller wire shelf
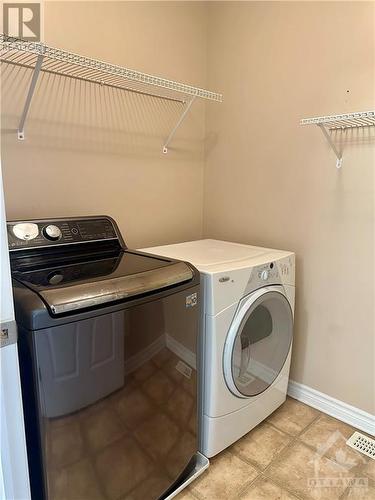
[(342, 122), (327, 124)]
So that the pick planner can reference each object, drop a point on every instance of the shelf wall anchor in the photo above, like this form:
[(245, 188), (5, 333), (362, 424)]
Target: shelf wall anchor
[(332, 145), (180, 120), (34, 80)]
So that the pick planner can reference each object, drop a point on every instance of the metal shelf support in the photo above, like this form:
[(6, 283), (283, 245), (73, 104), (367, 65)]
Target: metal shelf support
[(332, 145), (34, 80), (180, 120)]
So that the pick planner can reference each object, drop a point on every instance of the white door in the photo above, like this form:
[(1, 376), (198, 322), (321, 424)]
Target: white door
[(14, 478), (258, 342)]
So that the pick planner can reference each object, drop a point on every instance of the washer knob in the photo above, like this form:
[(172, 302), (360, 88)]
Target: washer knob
[(264, 275), (52, 233)]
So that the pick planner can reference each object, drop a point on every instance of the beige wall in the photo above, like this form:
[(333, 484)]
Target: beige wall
[(270, 182), (91, 150)]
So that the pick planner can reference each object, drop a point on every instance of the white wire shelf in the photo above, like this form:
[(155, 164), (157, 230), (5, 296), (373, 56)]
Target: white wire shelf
[(42, 58), (342, 122)]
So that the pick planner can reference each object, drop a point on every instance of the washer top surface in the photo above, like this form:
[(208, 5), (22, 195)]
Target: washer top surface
[(211, 256)]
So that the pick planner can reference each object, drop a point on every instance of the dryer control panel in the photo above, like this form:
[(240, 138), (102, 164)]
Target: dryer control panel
[(265, 274), (272, 273)]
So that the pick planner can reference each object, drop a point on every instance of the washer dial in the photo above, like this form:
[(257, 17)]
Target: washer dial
[(52, 233)]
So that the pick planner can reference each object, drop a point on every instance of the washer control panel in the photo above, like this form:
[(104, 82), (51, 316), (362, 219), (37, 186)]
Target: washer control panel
[(41, 233)]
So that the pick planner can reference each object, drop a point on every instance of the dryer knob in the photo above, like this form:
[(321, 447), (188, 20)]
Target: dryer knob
[(264, 275)]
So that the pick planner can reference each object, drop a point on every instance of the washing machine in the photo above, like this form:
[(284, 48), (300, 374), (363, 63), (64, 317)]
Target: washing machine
[(247, 324), (107, 342)]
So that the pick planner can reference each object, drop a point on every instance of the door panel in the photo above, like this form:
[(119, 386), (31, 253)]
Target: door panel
[(80, 363)]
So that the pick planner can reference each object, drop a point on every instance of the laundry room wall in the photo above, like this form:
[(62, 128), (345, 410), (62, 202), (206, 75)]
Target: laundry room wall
[(93, 150), (270, 182)]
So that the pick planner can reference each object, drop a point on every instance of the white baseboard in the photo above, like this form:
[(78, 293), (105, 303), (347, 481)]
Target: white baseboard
[(333, 407)]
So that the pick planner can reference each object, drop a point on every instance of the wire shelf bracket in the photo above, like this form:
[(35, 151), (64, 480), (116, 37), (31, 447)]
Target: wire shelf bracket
[(332, 145), (175, 128), (41, 58), (341, 123), (29, 97)]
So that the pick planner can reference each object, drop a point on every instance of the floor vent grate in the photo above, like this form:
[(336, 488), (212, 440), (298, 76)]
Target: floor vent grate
[(363, 444)]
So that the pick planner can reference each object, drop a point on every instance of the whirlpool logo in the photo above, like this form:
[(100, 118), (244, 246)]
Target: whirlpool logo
[(22, 20), (191, 300)]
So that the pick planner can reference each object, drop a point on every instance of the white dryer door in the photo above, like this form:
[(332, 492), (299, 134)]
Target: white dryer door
[(258, 342)]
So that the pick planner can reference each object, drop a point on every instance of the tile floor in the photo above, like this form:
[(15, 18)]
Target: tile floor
[(297, 453)]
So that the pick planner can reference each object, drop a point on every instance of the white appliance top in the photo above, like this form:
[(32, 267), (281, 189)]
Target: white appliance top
[(211, 256)]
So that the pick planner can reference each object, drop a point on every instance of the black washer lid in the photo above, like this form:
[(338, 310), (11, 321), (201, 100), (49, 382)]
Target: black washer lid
[(91, 283)]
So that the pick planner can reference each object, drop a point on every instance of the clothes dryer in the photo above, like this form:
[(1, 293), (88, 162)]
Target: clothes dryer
[(247, 322)]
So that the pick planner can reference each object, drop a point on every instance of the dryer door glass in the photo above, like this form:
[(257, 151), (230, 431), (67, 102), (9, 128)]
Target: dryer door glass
[(262, 342)]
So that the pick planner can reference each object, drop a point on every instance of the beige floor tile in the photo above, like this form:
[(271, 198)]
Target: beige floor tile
[(130, 383), (158, 435), (134, 408), (292, 417), (159, 387), (66, 444), (307, 474), (224, 479), (77, 482), (94, 408), (328, 436), (261, 445), (121, 467), (368, 469), (102, 428), (180, 407), (71, 419), (360, 492), (145, 371), (263, 489)]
